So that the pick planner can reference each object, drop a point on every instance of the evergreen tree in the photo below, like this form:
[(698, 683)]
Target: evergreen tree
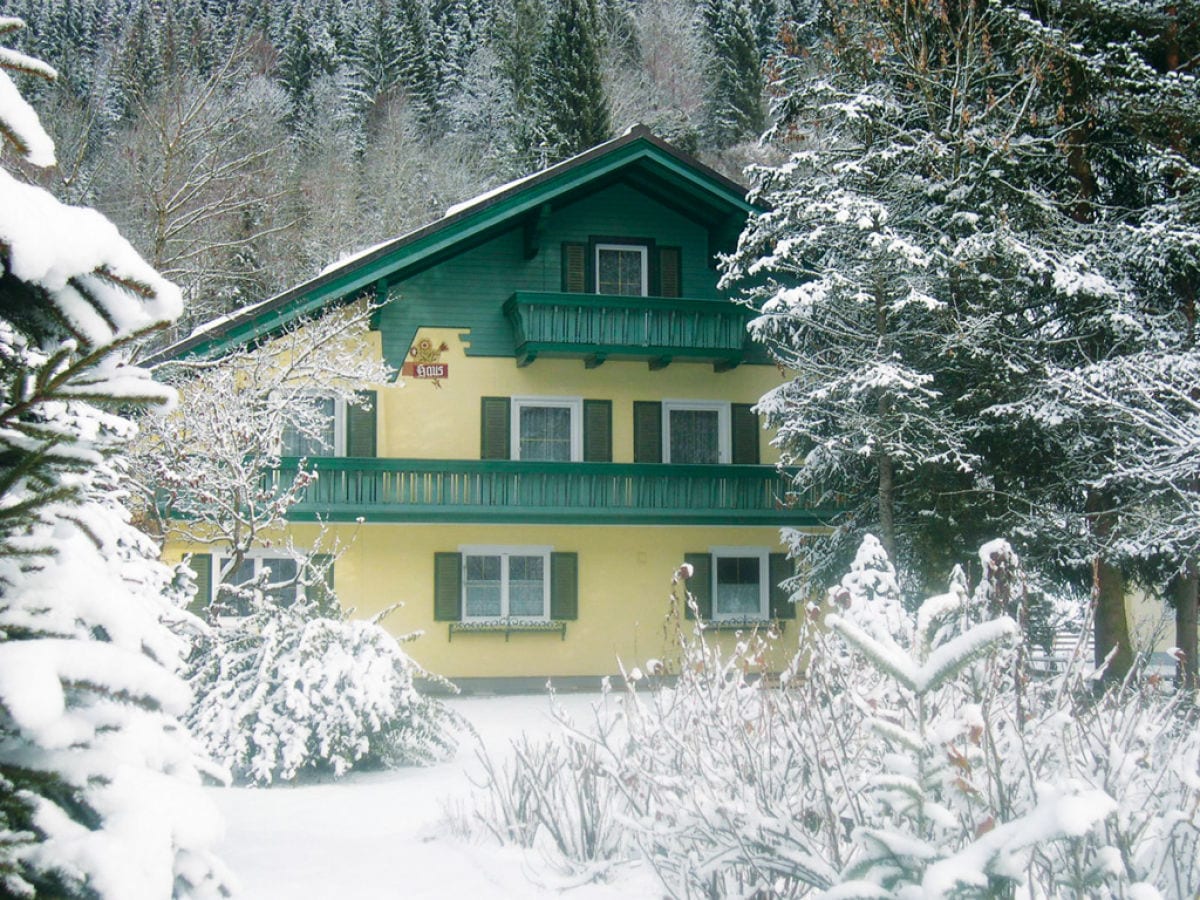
[(299, 65), (371, 69), (736, 109), (137, 65), (1133, 153), (922, 270), (518, 30), (417, 69), (573, 109), (99, 794)]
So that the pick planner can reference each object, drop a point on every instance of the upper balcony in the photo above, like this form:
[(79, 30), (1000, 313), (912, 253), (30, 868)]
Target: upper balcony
[(424, 490), (596, 327)]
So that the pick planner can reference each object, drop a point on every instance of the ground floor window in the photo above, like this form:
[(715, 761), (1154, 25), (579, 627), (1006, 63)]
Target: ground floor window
[(505, 583), (282, 583), (486, 583), (740, 584), (740, 579)]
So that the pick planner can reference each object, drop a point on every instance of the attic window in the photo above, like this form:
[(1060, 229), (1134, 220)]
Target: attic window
[(622, 269)]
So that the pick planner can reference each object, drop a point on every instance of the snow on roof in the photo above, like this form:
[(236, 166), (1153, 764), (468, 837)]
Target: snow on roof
[(355, 256), (496, 191), (488, 195)]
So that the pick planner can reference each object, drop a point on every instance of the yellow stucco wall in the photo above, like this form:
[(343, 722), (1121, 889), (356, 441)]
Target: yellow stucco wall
[(421, 420), (624, 571), (624, 587)]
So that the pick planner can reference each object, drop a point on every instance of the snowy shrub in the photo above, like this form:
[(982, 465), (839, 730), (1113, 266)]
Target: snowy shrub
[(556, 795), (100, 792), (902, 755), (293, 690)]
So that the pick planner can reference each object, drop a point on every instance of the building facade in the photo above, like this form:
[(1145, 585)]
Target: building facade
[(573, 420)]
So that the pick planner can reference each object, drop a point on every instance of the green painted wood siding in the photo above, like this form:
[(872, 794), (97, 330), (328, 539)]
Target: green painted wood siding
[(468, 291)]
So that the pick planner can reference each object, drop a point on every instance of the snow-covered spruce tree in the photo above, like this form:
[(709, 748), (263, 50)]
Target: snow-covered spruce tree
[(1134, 151), (99, 787), (283, 687), (920, 268), (571, 103), (736, 102)]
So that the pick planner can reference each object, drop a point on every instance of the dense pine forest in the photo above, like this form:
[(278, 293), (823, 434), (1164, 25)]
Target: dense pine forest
[(243, 145)]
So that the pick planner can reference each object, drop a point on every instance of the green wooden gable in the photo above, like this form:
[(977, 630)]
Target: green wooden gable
[(460, 271)]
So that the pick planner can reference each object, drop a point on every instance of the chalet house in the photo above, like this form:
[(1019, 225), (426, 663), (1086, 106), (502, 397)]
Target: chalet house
[(575, 419)]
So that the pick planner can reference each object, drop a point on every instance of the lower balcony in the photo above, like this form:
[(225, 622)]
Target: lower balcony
[(422, 490)]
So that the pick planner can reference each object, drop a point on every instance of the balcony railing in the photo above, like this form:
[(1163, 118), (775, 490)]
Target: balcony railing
[(422, 490), (596, 327)]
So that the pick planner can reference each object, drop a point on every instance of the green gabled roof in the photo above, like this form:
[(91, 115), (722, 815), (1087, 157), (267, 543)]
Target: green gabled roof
[(637, 157)]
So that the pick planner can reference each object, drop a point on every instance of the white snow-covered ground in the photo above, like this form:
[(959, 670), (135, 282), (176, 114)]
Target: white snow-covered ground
[(384, 834)]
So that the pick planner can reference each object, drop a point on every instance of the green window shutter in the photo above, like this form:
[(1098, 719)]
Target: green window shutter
[(447, 587), (597, 431), (700, 584), (647, 431), (321, 592), (744, 425), (495, 413), (668, 272), (360, 426), (201, 564), (781, 569), (574, 268), (564, 586)]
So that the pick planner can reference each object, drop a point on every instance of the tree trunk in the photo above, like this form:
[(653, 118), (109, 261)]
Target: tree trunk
[(1108, 595), (887, 506), (1112, 627), (1183, 590)]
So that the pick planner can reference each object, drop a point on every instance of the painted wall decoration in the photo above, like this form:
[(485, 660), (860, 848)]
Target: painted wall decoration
[(427, 362)]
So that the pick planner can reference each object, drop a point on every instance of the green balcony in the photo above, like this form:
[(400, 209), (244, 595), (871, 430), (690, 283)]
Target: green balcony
[(597, 327), (422, 490)]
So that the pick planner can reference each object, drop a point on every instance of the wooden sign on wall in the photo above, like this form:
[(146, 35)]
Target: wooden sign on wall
[(426, 362)]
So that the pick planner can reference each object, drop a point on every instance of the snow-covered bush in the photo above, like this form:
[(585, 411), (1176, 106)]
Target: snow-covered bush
[(902, 755), (99, 783), (557, 796), (301, 689)]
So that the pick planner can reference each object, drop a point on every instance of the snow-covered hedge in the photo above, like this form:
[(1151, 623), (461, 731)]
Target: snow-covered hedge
[(288, 691), (903, 755)]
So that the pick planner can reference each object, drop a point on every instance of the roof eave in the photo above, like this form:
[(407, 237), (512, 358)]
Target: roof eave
[(346, 282)]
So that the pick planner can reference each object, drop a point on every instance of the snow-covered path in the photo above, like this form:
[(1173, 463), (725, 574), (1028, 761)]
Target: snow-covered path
[(383, 835)]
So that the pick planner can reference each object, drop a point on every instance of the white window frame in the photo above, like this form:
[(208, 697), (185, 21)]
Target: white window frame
[(633, 245), (763, 555), (505, 552), (574, 404), (257, 556), (724, 437), (339, 421)]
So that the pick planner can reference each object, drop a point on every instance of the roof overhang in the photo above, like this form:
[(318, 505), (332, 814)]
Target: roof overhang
[(637, 158)]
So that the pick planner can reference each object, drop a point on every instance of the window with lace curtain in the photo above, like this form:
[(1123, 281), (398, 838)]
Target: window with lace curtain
[(740, 583), (505, 582), (695, 432), (622, 269), (547, 429)]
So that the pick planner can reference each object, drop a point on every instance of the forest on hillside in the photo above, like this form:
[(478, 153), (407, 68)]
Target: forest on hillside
[(244, 145)]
